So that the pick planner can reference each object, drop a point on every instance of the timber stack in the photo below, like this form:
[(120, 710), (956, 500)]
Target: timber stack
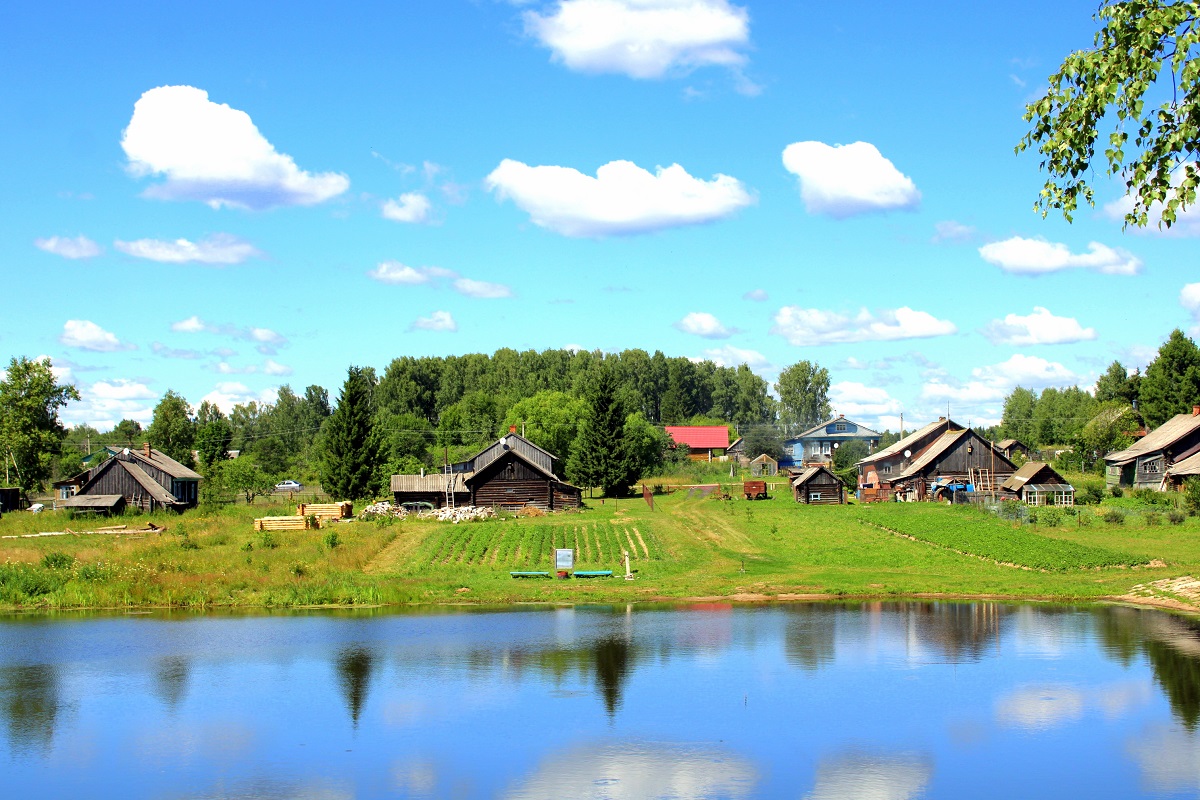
[(342, 510), (296, 523)]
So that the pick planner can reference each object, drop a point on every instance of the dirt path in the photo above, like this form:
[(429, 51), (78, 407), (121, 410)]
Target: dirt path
[(389, 559)]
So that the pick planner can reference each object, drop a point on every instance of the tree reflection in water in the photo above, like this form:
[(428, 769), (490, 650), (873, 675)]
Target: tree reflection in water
[(171, 680), (354, 667), (29, 697), (612, 656), (1171, 646), (809, 635)]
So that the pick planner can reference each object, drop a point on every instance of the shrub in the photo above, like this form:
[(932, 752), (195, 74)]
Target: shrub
[(1152, 518), (93, 572), (58, 561), (1010, 509), (1032, 515), (1191, 495), (299, 570), (1089, 492), (331, 539), (1176, 517), (248, 547), (1050, 516), (1116, 491), (1153, 498), (266, 540), (1114, 516)]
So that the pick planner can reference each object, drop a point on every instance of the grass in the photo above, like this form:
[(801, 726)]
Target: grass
[(687, 547)]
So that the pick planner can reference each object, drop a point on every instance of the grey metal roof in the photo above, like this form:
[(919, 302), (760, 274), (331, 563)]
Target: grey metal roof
[(903, 444), (158, 459), (1160, 438), (432, 482), (529, 451), (1004, 444), (1188, 466), (1026, 473), (939, 446), (842, 435)]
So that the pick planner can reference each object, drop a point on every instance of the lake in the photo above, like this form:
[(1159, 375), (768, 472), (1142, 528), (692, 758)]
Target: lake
[(876, 701)]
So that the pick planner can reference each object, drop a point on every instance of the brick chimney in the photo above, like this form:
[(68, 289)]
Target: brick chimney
[(1196, 411), (146, 449), (513, 428)]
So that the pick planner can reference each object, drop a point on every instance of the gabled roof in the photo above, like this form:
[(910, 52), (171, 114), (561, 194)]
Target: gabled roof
[(1188, 466), (700, 437), (152, 487), (1027, 473), (944, 444), (516, 443), (432, 482), (1162, 437), (764, 458), (810, 473), (158, 459), (912, 438), (862, 432), (736, 444), (1004, 444), (518, 453)]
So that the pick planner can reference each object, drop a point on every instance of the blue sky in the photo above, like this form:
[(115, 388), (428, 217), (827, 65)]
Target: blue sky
[(222, 198)]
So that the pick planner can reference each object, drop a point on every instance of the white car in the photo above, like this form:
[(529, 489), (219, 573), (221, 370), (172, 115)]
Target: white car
[(288, 486), (36, 508)]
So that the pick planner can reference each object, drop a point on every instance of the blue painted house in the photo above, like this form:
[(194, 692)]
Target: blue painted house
[(816, 445)]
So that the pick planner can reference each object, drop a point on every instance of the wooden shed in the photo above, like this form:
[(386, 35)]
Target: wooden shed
[(1011, 447), (1039, 484), (764, 466), (102, 504), (433, 488), (818, 486)]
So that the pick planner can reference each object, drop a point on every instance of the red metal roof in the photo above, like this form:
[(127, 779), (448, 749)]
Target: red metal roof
[(700, 437)]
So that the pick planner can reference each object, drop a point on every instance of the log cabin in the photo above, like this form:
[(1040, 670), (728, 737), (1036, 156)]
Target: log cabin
[(146, 478), (817, 485)]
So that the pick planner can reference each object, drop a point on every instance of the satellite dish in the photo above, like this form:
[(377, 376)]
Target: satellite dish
[(836, 445), (908, 453)]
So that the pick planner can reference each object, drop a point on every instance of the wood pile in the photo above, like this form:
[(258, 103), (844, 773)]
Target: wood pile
[(296, 523), (342, 510), (463, 514)]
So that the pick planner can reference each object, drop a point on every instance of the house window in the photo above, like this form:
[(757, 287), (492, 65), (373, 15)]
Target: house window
[(1150, 466), (886, 469), (814, 496), (840, 427), (825, 448)]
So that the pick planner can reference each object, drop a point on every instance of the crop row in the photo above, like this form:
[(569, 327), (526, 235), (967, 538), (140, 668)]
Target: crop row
[(969, 531), (531, 546)]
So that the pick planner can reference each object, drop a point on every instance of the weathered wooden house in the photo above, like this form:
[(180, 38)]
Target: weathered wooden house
[(763, 466), (1146, 463), (1038, 484), (1011, 447), (145, 478), (817, 485), (511, 473), (942, 455), (818, 444), (704, 442)]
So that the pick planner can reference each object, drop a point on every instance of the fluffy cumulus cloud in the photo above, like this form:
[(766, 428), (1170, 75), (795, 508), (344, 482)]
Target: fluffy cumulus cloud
[(861, 402), (397, 274), (409, 207), (266, 341), (994, 382), (87, 335), (1021, 256), (848, 179), (701, 323), (227, 394), (813, 326), (221, 249), (215, 154), (642, 38), (729, 356), (437, 321), (622, 199), (483, 289), (105, 403), (67, 247), (1040, 327)]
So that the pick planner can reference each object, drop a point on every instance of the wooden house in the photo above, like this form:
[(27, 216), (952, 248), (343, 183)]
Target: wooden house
[(1038, 484), (817, 444), (737, 451), (1146, 463), (511, 473), (146, 479), (817, 485), (942, 455), (764, 466), (1011, 447), (702, 441)]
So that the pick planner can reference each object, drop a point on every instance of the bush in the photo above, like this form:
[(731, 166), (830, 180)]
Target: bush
[(1153, 498), (1152, 518), (1089, 492), (1176, 517), (1191, 495), (332, 540), (58, 561), (1010, 509), (1050, 516), (266, 540), (1116, 491), (1114, 516), (248, 547), (1032, 514), (299, 570)]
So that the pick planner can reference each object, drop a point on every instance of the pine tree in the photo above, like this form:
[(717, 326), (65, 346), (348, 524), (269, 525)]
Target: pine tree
[(599, 455), (350, 446)]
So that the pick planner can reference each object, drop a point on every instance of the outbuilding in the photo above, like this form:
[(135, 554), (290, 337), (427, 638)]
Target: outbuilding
[(764, 466), (817, 485), (1039, 484)]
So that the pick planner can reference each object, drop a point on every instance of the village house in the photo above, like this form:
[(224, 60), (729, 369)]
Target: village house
[(702, 441), (817, 485), (511, 473), (817, 444), (935, 461), (143, 478), (1038, 484), (1146, 463)]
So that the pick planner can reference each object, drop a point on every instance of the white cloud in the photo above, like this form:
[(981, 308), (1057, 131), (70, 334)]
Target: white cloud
[(812, 326), (79, 247), (87, 335), (226, 395), (729, 356), (61, 369), (642, 38), (105, 403), (623, 198), (1022, 256), (409, 207), (858, 776), (214, 154), (701, 323), (394, 272), (482, 289), (267, 340), (437, 321), (993, 383), (848, 179), (220, 249), (860, 402), (192, 324), (756, 295), (951, 231), (1187, 221), (273, 368), (1040, 327)]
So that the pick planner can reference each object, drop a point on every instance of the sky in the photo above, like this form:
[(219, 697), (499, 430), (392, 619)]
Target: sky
[(222, 198)]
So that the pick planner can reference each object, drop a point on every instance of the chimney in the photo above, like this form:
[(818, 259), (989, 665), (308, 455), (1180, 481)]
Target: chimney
[(513, 428), (146, 449), (1196, 411)]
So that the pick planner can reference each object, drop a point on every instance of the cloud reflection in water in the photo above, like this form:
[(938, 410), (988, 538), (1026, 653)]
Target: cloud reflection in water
[(860, 776)]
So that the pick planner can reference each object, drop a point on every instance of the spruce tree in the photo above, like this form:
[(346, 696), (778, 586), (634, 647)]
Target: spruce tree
[(350, 446), (599, 455), (1171, 384)]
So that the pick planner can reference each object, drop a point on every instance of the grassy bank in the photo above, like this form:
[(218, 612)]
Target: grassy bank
[(687, 547)]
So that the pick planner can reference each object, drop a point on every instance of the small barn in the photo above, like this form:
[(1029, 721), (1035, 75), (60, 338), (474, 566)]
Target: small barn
[(145, 478), (764, 467), (817, 485), (432, 488), (1011, 447), (1038, 484), (100, 504)]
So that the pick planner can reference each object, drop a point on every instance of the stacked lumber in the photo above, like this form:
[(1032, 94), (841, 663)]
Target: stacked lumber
[(342, 510), (296, 523)]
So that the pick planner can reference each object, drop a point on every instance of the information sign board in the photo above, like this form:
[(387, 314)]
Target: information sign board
[(564, 558)]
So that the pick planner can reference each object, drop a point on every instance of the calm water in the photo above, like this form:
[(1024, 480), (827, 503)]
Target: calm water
[(865, 702)]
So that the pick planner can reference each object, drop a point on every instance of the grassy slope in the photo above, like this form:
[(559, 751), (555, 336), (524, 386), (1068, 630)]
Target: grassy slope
[(693, 548)]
